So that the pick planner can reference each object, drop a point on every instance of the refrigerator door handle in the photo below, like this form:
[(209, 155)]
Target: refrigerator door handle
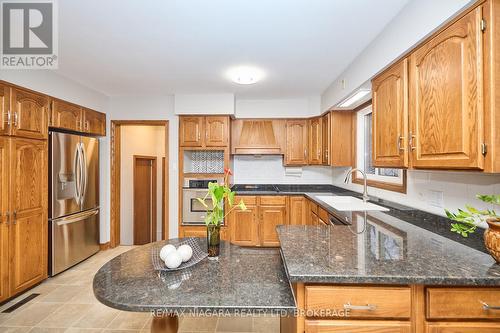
[(77, 174), (75, 218), (84, 174)]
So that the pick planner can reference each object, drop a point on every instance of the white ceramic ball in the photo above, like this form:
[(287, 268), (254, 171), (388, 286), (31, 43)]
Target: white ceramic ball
[(166, 250), (173, 260), (185, 251)]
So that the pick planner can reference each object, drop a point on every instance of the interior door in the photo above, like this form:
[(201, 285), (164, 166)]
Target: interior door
[(446, 98), (30, 113), (28, 227), (144, 200), (4, 208), (65, 174), (5, 114), (90, 178)]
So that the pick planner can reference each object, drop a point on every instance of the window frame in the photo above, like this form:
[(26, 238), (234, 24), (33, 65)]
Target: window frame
[(377, 183)]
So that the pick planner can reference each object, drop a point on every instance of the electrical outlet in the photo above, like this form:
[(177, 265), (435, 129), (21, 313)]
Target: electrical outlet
[(435, 198)]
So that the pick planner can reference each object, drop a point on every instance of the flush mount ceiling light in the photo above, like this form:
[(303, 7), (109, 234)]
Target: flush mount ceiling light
[(354, 98), (245, 74)]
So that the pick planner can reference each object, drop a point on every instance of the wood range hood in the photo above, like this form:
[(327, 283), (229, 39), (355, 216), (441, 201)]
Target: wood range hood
[(258, 136)]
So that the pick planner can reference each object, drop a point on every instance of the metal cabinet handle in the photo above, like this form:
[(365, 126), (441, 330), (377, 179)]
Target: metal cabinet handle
[(487, 307), (7, 215), (15, 119), (399, 143), (305, 153), (15, 217), (8, 118), (410, 141), (367, 307)]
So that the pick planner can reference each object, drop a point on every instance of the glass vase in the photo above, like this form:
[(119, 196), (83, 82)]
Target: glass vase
[(213, 241)]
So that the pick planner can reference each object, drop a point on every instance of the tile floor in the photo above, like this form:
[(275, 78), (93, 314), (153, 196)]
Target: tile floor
[(67, 304)]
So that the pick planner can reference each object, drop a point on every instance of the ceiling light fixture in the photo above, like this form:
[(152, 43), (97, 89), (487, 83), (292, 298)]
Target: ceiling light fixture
[(245, 74), (354, 98)]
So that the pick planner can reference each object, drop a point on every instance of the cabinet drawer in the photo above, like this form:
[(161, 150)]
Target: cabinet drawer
[(363, 302), (462, 303), (323, 215), (356, 326), (458, 327), (313, 207), (248, 200), (273, 200)]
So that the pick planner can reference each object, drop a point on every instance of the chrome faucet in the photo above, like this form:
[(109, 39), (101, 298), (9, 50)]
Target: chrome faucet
[(365, 187)]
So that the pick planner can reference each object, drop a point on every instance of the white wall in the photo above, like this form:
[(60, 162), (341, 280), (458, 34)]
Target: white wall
[(457, 188), (147, 108), (278, 108), (269, 169), (145, 141), (414, 22), (204, 104)]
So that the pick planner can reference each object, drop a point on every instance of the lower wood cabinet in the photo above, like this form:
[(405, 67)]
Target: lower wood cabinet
[(463, 327), (298, 210), (23, 261), (257, 225), (356, 326), (200, 232)]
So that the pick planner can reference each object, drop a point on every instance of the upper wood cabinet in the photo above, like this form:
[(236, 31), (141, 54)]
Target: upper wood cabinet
[(5, 114), (199, 131), (258, 136), (66, 116), (216, 131), (315, 141), (326, 134), (94, 122), (341, 148), (29, 114), (446, 97), (390, 117), (296, 142), (298, 210)]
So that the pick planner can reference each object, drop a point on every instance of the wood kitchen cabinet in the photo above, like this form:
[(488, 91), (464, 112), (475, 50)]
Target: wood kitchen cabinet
[(66, 115), (326, 134), (315, 141), (256, 226), (4, 208), (29, 114), (342, 148), (298, 210), (258, 136), (94, 122), (199, 131), (296, 142), (390, 117), (5, 114), (361, 326), (28, 213), (446, 97)]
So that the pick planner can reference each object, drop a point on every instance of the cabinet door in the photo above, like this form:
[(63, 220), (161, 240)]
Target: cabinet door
[(315, 141), (28, 228), (446, 98), (357, 326), (66, 115), (313, 218), (390, 117), (463, 327), (30, 114), (190, 132), (270, 218), (4, 228), (94, 122), (326, 139), (296, 142), (216, 131), (341, 151), (200, 232), (5, 112), (244, 225), (298, 210)]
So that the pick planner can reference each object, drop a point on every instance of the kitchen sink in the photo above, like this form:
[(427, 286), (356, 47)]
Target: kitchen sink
[(346, 203)]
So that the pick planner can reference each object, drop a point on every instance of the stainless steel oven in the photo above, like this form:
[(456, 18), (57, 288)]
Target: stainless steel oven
[(193, 212)]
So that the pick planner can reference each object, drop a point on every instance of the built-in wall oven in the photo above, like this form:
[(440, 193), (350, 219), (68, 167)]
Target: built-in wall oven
[(193, 212)]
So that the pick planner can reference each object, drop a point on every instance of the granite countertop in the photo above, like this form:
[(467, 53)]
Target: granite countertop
[(244, 279), (382, 251)]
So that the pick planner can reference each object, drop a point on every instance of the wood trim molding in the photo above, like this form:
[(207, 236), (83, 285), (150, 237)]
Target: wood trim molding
[(115, 159), (105, 246)]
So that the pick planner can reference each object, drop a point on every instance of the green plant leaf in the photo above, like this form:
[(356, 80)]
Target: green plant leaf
[(202, 201), (230, 198), (242, 205)]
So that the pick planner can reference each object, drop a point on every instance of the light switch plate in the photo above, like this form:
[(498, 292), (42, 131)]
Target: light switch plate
[(435, 198)]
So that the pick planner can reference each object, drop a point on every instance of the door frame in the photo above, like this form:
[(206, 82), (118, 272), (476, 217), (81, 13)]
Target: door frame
[(115, 160), (154, 194)]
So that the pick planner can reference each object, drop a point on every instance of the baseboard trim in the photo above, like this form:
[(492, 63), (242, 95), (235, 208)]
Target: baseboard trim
[(105, 246)]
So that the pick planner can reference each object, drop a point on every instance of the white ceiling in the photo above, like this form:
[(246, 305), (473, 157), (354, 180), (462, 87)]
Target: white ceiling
[(150, 47)]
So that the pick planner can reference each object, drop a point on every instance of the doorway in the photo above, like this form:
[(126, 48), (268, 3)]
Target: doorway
[(122, 218), (144, 199)]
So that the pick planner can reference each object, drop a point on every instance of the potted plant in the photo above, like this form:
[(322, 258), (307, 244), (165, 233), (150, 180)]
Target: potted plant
[(468, 219), (219, 195)]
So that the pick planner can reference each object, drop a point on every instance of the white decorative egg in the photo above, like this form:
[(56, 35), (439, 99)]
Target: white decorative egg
[(164, 252), (185, 251), (173, 260)]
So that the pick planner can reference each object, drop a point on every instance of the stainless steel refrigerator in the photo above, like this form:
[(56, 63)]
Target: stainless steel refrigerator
[(74, 200)]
